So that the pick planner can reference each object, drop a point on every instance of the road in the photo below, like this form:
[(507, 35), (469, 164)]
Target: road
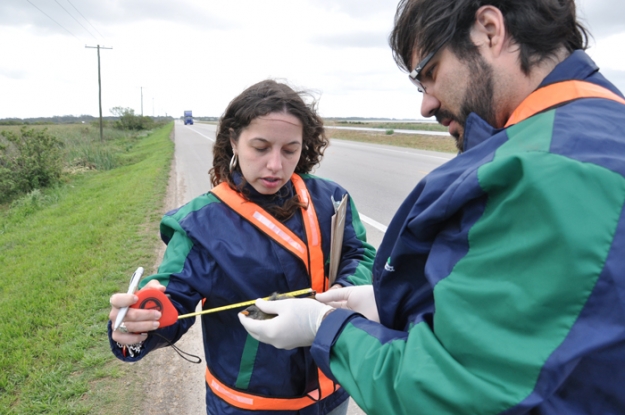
[(378, 178)]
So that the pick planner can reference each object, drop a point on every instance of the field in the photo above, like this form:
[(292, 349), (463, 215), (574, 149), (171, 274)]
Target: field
[(63, 251)]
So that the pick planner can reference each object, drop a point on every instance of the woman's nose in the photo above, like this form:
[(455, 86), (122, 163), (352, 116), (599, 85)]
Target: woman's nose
[(275, 161)]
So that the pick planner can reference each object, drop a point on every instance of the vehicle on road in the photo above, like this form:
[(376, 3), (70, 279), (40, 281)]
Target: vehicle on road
[(188, 117)]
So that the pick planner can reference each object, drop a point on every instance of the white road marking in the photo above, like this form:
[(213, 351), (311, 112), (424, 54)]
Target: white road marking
[(373, 223), (197, 132)]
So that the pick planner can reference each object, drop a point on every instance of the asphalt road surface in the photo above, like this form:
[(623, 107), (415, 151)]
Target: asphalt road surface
[(378, 179)]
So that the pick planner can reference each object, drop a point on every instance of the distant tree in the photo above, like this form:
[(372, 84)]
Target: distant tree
[(129, 121)]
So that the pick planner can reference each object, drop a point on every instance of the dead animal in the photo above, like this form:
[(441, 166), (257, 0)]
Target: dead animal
[(255, 313)]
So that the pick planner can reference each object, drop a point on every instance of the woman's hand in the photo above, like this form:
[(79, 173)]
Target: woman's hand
[(136, 321)]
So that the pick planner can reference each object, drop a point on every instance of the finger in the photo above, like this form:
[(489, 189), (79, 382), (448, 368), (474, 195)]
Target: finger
[(275, 307), (140, 315), (129, 338), (154, 284), (249, 324), (338, 294), (137, 327), (120, 300), (136, 314)]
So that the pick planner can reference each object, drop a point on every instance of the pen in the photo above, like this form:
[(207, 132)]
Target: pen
[(134, 281)]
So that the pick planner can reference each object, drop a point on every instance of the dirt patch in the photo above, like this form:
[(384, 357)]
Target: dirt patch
[(171, 384)]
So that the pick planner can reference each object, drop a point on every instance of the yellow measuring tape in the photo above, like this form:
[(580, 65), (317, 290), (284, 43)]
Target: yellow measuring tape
[(246, 303)]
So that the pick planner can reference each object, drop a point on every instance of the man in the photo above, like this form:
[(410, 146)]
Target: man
[(500, 283)]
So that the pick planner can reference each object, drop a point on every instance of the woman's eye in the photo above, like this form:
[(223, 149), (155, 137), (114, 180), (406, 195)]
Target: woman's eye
[(261, 150)]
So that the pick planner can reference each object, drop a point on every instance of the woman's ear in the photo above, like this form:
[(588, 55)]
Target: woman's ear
[(232, 142)]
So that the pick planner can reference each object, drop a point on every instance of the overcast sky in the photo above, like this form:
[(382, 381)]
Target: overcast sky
[(199, 54)]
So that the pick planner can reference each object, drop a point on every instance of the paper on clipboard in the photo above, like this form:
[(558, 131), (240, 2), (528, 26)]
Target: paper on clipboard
[(336, 236)]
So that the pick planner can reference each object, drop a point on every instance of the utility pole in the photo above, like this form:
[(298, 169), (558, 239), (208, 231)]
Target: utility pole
[(142, 101), (98, 47)]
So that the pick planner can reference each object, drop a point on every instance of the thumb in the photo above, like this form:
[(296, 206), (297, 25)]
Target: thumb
[(270, 307), (331, 295), (336, 298), (252, 326), (154, 284)]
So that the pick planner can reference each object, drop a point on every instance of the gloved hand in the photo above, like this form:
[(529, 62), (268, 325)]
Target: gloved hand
[(359, 298), (295, 325)]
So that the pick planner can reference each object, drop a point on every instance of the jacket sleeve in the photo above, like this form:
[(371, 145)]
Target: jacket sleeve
[(357, 255), (512, 318), (175, 273)]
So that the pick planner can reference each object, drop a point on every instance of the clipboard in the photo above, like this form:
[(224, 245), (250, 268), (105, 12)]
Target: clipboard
[(336, 236)]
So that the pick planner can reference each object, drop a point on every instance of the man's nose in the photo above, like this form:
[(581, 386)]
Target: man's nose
[(429, 105)]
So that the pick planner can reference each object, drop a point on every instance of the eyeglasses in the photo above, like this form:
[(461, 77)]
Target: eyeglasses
[(414, 75)]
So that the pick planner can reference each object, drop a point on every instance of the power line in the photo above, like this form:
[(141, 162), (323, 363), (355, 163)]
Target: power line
[(87, 20), (72, 16), (53, 20)]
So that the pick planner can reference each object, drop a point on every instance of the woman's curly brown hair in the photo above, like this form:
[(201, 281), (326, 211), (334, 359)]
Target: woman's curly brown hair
[(260, 99)]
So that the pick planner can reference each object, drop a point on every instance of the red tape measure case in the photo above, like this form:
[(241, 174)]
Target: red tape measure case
[(153, 299)]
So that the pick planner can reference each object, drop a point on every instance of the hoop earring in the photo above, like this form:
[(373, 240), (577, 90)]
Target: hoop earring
[(233, 162)]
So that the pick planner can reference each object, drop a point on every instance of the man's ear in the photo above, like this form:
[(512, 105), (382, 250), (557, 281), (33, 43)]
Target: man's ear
[(489, 30)]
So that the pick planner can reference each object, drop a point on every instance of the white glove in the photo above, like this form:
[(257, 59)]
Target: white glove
[(359, 298), (295, 325)]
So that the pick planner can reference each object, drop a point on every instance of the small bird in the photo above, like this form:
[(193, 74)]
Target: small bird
[(255, 313)]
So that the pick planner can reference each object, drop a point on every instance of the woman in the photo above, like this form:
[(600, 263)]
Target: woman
[(263, 228)]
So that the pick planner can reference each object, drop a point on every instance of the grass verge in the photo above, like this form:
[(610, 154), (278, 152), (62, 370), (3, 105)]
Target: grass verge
[(63, 251)]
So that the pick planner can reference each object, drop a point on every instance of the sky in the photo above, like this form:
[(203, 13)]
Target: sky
[(168, 56)]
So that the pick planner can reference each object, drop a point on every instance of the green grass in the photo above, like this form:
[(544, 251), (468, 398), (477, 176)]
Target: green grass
[(63, 252)]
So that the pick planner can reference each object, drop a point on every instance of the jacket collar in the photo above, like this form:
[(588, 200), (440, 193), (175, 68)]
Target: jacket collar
[(577, 66)]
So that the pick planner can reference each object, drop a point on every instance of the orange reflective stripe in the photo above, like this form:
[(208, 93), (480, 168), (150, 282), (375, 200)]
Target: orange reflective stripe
[(559, 93), (311, 255), (313, 233), (253, 402), (262, 220)]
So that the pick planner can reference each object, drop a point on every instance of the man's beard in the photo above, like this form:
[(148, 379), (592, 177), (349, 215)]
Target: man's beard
[(478, 98)]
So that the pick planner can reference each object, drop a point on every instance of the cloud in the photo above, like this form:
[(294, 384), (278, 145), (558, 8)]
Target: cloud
[(15, 74), (602, 17), (617, 77), (358, 8), (353, 40), (94, 19)]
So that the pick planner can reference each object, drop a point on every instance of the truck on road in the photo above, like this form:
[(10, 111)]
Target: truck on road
[(188, 117)]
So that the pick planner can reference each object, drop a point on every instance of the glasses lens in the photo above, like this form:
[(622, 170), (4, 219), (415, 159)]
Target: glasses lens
[(417, 83)]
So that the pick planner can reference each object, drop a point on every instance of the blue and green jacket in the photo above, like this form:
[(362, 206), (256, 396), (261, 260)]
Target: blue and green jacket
[(215, 254), (500, 282)]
